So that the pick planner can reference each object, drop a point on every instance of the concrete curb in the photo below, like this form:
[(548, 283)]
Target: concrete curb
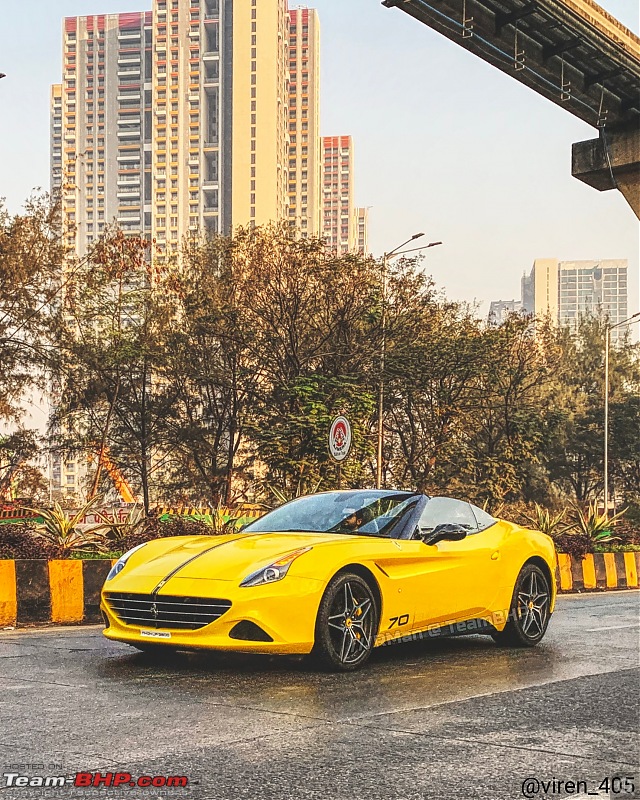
[(68, 591)]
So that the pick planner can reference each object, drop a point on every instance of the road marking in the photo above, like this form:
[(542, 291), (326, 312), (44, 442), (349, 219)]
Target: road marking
[(612, 628)]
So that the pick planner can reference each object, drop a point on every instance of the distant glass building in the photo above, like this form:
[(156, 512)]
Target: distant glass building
[(592, 287), (501, 309), (564, 291)]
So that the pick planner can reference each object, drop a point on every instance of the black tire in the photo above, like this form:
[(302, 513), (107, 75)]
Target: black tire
[(529, 613), (346, 625)]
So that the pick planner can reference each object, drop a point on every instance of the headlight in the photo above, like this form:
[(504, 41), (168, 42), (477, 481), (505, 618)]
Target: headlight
[(121, 562), (275, 571)]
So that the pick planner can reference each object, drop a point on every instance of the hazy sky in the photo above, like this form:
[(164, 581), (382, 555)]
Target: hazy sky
[(445, 143)]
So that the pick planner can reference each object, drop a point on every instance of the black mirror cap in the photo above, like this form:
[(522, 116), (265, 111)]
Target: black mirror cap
[(446, 533)]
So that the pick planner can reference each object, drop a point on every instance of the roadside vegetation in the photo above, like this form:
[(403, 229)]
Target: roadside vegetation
[(210, 379), (62, 536)]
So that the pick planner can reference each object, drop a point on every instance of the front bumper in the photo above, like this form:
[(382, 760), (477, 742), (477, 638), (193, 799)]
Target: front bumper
[(285, 610)]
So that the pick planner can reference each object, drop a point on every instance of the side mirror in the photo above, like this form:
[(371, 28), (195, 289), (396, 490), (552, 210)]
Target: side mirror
[(445, 533)]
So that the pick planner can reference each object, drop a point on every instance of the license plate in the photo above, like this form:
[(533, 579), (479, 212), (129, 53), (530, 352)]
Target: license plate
[(156, 634)]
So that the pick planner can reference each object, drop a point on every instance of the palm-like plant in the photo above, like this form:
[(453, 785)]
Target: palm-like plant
[(119, 532), (64, 532), (544, 521), (219, 522), (284, 497), (590, 522)]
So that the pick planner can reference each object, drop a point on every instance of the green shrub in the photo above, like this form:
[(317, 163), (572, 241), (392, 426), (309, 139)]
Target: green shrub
[(21, 541), (574, 544)]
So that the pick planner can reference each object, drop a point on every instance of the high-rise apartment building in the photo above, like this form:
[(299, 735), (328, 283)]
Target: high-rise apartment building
[(56, 138), (199, 115), (305, 158), (564, 291), (105, 123), (338, 214), (256, 78), (362, 230), (174, 120)]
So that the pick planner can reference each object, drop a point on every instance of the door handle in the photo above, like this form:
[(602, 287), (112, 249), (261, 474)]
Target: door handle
[(495, 556)]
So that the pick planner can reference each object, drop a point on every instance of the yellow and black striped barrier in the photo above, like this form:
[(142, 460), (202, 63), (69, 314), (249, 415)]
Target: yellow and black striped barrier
[(68, 591), (198, 512), (34, 590), (598, 571), (17, 515)]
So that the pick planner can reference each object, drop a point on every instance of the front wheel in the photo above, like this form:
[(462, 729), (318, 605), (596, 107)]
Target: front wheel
[(347, 624), (530, 609)]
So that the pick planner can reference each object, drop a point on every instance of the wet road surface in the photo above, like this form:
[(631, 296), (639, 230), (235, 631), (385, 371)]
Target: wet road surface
[(456, 718)]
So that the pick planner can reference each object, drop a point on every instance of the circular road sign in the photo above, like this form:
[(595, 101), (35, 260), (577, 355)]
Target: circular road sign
[(340, 438)]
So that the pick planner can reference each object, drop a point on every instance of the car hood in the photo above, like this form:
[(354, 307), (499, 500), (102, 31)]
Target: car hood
[(229, 558)]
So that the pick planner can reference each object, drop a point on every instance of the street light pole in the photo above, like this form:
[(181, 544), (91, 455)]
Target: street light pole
[(397, 251), (607, 345), (606, 419), (383, 347)]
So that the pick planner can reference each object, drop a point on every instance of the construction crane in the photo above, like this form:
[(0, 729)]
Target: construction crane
[(119, 481)]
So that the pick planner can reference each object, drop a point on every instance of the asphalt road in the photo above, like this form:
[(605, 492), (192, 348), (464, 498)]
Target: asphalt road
[(459, 718)]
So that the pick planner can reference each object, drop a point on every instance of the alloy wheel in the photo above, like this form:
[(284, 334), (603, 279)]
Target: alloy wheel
[(530, 609), (347, 623), (533, 606), (351, 623)]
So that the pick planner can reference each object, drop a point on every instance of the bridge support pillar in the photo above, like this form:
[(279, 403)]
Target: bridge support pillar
[(610, 162)]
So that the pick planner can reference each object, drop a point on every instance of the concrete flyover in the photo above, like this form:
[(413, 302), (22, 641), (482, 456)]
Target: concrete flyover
[(573, 53)]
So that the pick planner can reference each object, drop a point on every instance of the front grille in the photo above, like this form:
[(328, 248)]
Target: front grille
[(165, 611)]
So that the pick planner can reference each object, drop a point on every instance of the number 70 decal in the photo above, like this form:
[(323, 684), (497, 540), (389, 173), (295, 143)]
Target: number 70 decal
[(399, 621)]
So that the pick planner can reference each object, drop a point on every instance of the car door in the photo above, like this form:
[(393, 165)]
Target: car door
[(459, 579)]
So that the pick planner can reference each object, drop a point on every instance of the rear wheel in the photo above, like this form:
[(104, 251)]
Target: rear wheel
[(530, 609), (347, 624)]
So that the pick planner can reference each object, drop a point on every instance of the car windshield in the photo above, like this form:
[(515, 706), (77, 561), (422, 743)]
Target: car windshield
[(360, 513)]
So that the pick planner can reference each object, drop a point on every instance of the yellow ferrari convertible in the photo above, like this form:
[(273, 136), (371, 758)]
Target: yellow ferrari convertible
[(336, 574)]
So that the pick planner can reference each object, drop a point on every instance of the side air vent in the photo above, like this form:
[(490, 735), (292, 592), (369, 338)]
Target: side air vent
[(249, 632)]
